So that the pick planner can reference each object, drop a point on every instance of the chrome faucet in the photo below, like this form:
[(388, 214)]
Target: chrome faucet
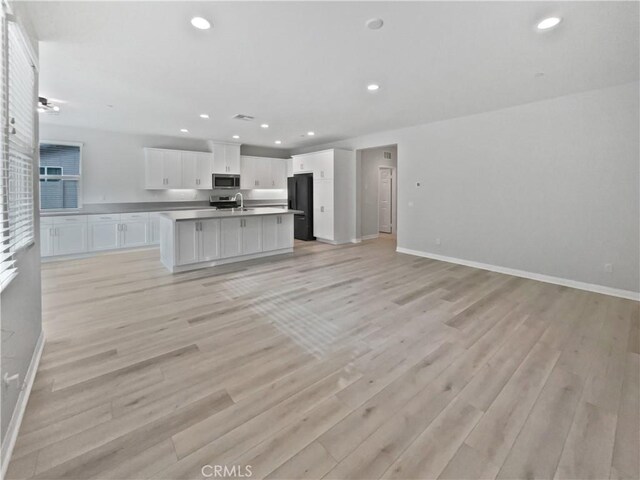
[(235, 199)]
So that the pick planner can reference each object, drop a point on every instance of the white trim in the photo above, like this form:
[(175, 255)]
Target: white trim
[(224, 261), (24, 38), (370, 237), (21, 406), (94, 253), (590, 287), (393, 192), (336, 242), (356, 240), (78, 177)]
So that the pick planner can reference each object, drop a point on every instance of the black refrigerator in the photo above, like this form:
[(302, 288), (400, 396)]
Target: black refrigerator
[(300, 192)]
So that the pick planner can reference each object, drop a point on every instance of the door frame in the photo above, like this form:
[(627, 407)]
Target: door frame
[(393, 203)]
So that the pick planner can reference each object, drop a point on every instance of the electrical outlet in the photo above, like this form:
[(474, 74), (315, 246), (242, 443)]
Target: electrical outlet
[(438, 242), (608, 267), (410, 204)]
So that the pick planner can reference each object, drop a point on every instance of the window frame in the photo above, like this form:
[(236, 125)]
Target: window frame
[(78, 177)]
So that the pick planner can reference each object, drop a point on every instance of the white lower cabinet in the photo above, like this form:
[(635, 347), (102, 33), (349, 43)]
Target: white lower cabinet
[(104, 235), (197, 241), (231, 237), (134, 233), (277, 232), (75, 234), (64, 235), (186, 242), (241, 236), (209, 248), (70, 239), (46, 240), (252, 235), (154, 229)]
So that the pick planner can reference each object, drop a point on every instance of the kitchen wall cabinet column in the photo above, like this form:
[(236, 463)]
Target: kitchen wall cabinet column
[(333, 176)]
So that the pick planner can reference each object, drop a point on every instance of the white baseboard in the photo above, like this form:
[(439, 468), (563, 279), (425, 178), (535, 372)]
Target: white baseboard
[(370, 237), (78, 256), (356, 240), (591, 287), (224, 261), (21, 406)]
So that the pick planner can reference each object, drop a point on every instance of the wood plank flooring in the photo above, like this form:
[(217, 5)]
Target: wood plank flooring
[(350, 362)]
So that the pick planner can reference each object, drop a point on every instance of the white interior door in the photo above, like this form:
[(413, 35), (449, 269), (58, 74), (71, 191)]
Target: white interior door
[(384, 200)]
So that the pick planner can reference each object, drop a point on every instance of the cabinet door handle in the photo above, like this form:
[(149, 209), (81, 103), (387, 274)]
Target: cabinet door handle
[(322, 209), (273, 183), (322, 173)]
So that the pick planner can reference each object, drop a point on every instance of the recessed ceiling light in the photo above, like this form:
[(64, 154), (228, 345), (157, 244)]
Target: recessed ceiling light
[(41, 110), (56, 108), (548, 23), (236, 136), (374, 23), (311, 134), (373, 87), (184, 130), (200, 23), (265, 125), (204, 115), (278, 142)]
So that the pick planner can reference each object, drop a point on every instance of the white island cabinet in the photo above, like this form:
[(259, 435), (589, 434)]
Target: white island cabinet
[(203, 238)]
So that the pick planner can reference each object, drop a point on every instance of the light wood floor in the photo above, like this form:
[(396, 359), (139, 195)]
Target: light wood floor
[(335, 362)]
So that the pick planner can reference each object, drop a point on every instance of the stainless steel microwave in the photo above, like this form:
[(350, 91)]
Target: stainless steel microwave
[(221, 180)]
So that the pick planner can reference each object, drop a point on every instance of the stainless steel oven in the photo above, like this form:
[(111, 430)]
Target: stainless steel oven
[(222, 180)]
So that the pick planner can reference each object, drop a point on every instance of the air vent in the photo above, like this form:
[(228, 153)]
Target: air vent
[(387, 155), (240, 116)]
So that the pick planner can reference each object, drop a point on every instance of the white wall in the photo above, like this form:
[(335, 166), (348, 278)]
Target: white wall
[(113, 164), (550, 187), (372, 159), (20, 316)]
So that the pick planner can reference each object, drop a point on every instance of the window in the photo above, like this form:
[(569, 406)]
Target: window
[(17, 92), (60, 167)]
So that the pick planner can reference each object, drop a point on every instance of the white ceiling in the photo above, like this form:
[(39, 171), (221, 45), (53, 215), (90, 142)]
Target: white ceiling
[(302, 66)]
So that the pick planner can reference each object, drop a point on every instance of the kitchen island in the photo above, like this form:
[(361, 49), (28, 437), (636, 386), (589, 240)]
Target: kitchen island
[(195, 239)]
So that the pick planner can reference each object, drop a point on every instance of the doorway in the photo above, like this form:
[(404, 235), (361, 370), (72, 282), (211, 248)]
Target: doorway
[(377, 182)]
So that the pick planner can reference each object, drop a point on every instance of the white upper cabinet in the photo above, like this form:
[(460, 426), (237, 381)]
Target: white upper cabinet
[(197, 168), (163, 168), (177, 169), (279, 173), (320, 164), (261, 172), (226, 158)]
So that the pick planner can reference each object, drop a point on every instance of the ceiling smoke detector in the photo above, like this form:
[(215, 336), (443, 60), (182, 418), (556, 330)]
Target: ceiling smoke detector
[(45, 106), (374, 23), (240, 116)]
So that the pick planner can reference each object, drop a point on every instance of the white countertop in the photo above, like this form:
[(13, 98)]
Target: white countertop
[(209, 213)]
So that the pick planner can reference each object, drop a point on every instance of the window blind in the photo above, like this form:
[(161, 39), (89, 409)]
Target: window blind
[(18, 152)]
